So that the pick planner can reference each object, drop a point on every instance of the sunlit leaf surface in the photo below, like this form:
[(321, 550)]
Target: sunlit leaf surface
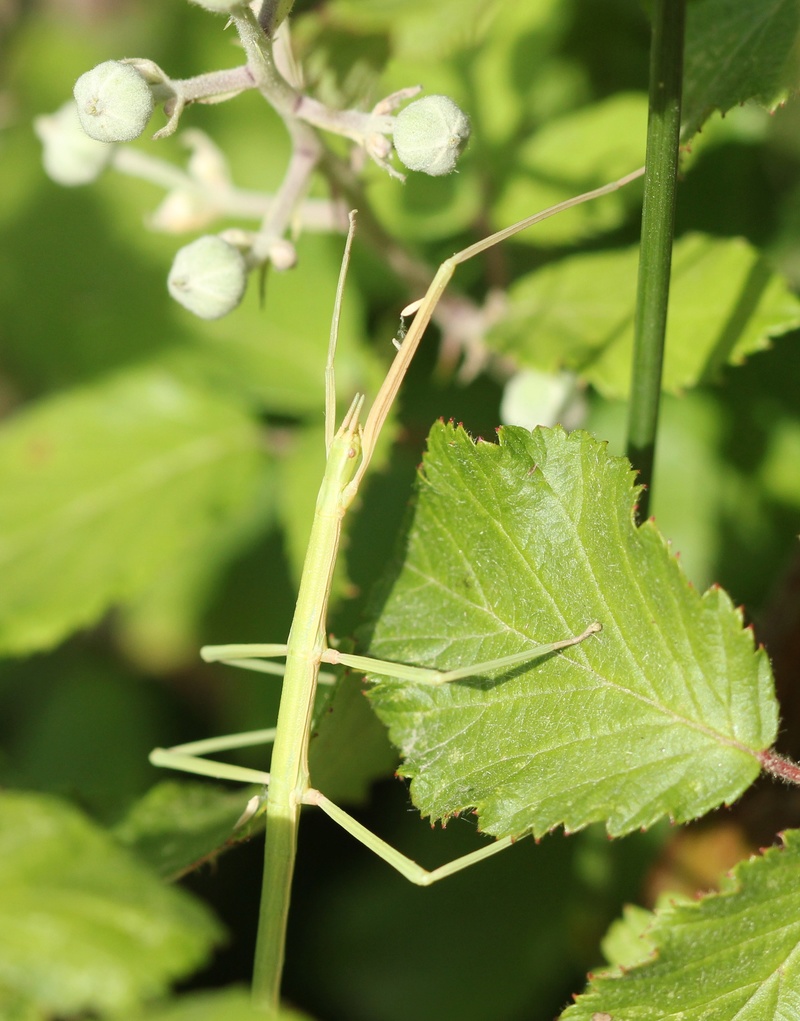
[(526, 543)]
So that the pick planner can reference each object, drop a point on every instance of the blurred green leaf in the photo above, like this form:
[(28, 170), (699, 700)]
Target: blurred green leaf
[(421, 31), (627, 942), (161, 628), (527, 542), (784, 450), (739, 50), (83, 926), (230, 1004), (572, 154), (300, 472), (179, 825), (725, 304), (694, 483), (505, 73), (104, 487), (78, 724), (82, 294), (731, 955)]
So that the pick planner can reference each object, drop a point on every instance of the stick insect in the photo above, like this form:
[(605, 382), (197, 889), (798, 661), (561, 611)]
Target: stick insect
[(288, 787)]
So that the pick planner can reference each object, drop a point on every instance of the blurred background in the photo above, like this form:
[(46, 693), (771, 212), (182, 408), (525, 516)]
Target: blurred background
[(186, 456)]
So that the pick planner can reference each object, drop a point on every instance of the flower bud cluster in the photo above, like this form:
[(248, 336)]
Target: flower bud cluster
[(114, 103)]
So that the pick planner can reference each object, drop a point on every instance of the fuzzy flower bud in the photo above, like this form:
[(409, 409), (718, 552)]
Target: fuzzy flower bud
[(208, 277), (283, 254), (69, 156), (429, 135), (114, 102)]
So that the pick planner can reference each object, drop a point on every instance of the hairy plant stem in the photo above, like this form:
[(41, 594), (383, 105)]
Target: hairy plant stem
[(306, 152), (206, 87), (780, 767), (658, 221), (288, 101), (273, 13)]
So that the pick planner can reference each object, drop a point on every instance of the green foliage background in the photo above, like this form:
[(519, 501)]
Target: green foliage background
[(192, 452)]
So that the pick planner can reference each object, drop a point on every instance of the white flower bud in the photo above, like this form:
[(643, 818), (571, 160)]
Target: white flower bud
[(208, 277), (69, 156), (282, 254), (429, 135), (181, 211), (114, 102)]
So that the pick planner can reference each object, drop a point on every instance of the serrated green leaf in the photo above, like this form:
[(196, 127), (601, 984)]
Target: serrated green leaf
[(732, 955), (627, 941), (83, 926), (104, 486), (179, 824), (226, 1005), (739, 50), (525, 543), (725, 303)]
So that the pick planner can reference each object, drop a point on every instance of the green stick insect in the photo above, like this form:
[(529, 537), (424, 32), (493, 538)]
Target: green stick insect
[(287, 785)]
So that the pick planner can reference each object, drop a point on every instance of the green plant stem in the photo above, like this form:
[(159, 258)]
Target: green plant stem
[(658, 220)]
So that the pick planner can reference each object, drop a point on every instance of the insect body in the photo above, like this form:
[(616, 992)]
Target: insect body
[(350, 451)]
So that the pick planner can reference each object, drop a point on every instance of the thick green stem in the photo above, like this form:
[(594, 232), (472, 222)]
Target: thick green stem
[(658, 219)]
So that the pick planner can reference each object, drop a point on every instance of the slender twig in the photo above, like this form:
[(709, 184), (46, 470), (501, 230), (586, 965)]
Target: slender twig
[(212, 84), (220, 199), (658, 219), (306, 152)]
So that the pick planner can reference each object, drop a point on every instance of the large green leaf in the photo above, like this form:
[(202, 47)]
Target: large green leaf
[(83, 926), (525, 543), (104, 487), (725, 303), (733, 955), (739, 50)]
